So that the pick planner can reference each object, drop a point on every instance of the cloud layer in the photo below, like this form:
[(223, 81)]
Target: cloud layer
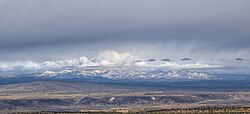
[(104, 59), (212, 27)]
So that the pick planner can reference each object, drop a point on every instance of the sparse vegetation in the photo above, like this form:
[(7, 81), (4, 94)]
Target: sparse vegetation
[(200, 110), (111, 98)]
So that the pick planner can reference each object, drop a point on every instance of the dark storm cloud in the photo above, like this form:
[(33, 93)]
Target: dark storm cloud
[(222, 24)]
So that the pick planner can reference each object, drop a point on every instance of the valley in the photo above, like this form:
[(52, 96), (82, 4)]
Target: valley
[(98, 96)]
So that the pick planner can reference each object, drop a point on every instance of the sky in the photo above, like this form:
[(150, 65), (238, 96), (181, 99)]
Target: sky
[(53, 30)]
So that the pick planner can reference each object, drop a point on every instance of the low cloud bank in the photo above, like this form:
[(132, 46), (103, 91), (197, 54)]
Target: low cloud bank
[(105, 59)]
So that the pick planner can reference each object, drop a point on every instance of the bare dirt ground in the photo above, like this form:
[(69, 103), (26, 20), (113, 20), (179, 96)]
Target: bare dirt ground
[(86, 96)]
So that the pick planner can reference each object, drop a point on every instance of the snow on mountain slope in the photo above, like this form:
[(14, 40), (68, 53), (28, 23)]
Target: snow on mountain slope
[(144, 74), (119, 66), (132, 73)]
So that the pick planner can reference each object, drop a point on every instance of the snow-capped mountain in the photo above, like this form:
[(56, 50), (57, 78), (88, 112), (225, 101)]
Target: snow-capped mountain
[(129, 73), (98, 73)]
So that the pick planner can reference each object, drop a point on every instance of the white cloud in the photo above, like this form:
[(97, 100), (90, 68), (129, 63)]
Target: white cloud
[(50, 64), (190, 65), (110, 58), (106, 58), (4, 67), (30, 65), (84, 61), (26, 65)]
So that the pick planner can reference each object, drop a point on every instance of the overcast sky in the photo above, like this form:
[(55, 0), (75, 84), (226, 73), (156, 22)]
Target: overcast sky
[(56, 29)]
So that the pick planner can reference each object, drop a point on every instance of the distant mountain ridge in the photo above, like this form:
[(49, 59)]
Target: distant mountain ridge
[(107, 74), (119, 74)]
